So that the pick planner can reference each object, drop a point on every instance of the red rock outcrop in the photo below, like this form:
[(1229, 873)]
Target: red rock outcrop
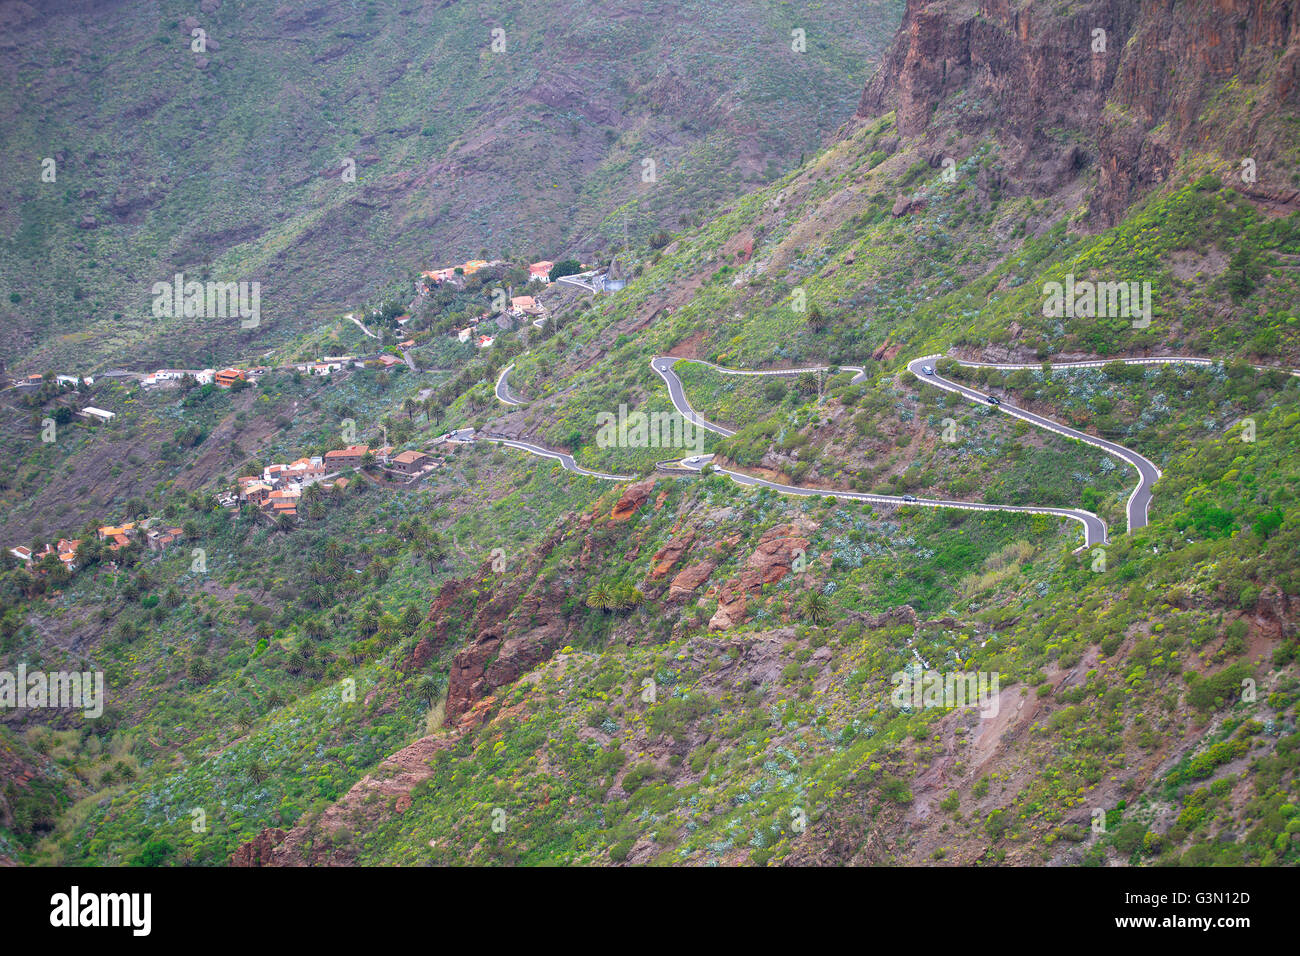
[(775, 554), (257, 851), (668, 556), (1027, 71), (688, 580), (634, 496)]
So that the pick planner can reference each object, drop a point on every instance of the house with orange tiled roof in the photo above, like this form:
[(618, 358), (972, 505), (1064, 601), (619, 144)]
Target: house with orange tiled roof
[(116, 531), (255, 493), (68, 552), (541, 271), (349, 457), (229, 376)]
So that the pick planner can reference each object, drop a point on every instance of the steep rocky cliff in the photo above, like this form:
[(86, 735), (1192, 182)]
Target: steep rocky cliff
[(1122, 87)]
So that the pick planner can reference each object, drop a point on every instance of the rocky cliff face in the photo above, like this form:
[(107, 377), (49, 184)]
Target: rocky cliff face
[(1124, 86)]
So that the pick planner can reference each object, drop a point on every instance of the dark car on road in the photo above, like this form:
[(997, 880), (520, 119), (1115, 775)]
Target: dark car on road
[(993, 400)]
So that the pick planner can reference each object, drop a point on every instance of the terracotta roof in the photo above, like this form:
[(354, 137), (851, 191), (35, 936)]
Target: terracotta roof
[(352, 451)]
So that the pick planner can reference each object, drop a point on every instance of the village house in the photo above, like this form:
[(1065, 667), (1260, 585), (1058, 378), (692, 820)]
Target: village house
[(159, 539), (349, 457), (541, 271), (255, 492), (471, 267), (65, 551), (410, 462), (306, 470), (165, 376), (96, 416), (383, 453), (229, 376), (284, 499), (316, 368), (119, 534), (485, 341), (522, 305)]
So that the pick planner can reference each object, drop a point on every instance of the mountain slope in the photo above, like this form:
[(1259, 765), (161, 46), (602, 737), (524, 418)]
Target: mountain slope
[(228, 164), (679, 669)]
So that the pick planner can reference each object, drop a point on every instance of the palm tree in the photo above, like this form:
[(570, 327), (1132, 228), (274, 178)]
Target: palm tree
[(427, 690), (430, 545), (387, 631), (600, 598), (409, 406), (298, 660), (367, 619)]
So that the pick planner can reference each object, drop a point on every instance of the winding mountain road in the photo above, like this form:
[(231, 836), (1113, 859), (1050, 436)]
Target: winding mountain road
[(566, 460), (503, 387), (1139, 501), (1094, 528)]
